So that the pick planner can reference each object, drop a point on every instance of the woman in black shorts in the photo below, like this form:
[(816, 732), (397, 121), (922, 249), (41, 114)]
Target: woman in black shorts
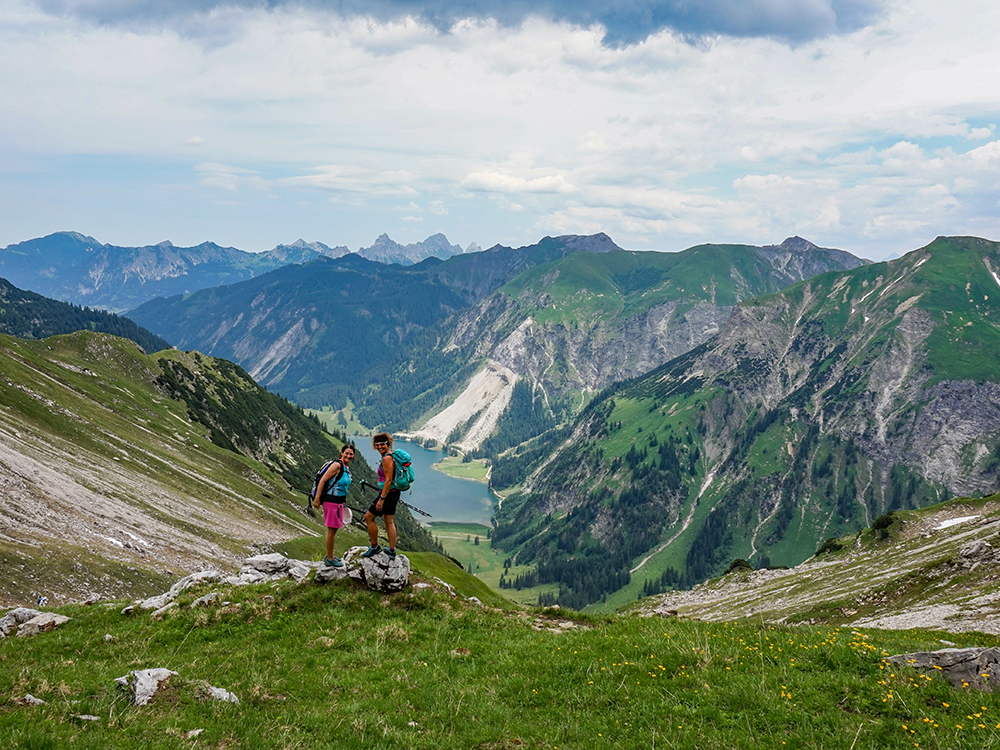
[(385, 503)]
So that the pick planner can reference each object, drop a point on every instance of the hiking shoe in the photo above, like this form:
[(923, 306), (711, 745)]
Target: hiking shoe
[(371, 551), (391, 552), (335, 562)]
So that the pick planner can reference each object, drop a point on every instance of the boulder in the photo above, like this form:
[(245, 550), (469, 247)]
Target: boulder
[(978, 548), (142, 684), (251, 575), (41, 623), (327, 573), (16, 617), (269, 564), (160, 601), (977, 668), (299, 570), (379, 573)]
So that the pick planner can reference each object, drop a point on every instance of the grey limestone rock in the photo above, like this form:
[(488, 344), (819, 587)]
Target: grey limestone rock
[(158, 602), (41, 623), (274, 562), (379, 572), (158, 614), (142, 684), (299, 570), (329, 573), (15, 617), (220, 694), (977, 668)]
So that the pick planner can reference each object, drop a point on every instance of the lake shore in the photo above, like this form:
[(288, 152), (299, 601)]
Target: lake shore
[(476, 470)]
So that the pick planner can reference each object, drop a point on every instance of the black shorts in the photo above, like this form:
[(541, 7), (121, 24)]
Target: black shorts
[(388, 507)]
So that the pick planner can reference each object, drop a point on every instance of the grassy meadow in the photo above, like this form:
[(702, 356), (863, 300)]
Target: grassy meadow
[(338, 666), (487, 564), (454, 467)]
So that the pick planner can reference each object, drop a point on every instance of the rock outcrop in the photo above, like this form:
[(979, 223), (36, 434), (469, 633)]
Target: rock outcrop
[(15, 617), (977, 668), (379, 572), (41, 623)]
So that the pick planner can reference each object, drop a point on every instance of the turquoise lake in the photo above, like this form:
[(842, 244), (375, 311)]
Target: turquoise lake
[(445, 498)]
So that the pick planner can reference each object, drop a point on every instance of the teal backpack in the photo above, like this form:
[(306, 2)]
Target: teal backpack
[(403, 477)]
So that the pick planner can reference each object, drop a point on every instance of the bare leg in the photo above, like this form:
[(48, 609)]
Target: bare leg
[(372, 528), (331, 536), (390, 530)]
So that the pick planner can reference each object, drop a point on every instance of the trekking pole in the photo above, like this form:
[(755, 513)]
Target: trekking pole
[(365, 485)]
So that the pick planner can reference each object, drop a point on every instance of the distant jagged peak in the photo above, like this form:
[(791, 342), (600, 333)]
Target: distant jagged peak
[(301, 246), (800, 259), (798, 244), (589, 243), (569, 243), (473, 248), (387, 250), (384, 239), (166, 244)]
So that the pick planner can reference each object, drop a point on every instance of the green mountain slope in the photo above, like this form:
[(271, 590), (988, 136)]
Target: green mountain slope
[(928, 568), (31, 316), (338, 329), (121, 469), (565, 329), (810, 414)]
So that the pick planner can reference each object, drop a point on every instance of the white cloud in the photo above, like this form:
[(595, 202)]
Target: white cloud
[(229, 178), (870, 141), (496, 182)]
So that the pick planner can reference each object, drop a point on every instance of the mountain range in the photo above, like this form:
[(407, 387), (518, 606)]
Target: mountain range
[(385, 250), (333, 329), (649, 417), (570, 327), (810, 414), (75, 268)]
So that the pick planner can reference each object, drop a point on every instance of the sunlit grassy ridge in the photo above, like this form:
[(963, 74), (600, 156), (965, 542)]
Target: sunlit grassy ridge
[(123, 470), (621, 284), (339, 666)]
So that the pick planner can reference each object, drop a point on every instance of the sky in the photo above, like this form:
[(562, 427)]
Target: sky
[(866, 125)]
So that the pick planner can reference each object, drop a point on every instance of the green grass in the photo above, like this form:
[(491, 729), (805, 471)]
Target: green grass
[(459, 541), (453, 467), (340, 666), (340, 420)]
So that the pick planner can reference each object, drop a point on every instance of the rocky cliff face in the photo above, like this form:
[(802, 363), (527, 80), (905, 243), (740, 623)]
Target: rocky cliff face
[(563, 338)]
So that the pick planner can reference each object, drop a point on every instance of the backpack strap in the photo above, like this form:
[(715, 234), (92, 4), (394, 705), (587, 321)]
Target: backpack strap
[(333, 481)]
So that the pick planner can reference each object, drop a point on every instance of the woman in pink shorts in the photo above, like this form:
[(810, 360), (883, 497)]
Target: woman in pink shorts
[(331, 493)]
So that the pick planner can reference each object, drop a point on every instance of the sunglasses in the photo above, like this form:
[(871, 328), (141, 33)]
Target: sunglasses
[(381, 445)]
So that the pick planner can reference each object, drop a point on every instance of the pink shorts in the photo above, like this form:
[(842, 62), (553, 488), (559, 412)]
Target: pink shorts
[(333, 515)]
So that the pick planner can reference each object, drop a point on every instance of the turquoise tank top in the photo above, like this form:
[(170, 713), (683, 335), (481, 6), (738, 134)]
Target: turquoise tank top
[(339, 488)]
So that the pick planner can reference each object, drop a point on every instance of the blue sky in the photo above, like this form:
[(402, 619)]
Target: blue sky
[(860, 124)]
